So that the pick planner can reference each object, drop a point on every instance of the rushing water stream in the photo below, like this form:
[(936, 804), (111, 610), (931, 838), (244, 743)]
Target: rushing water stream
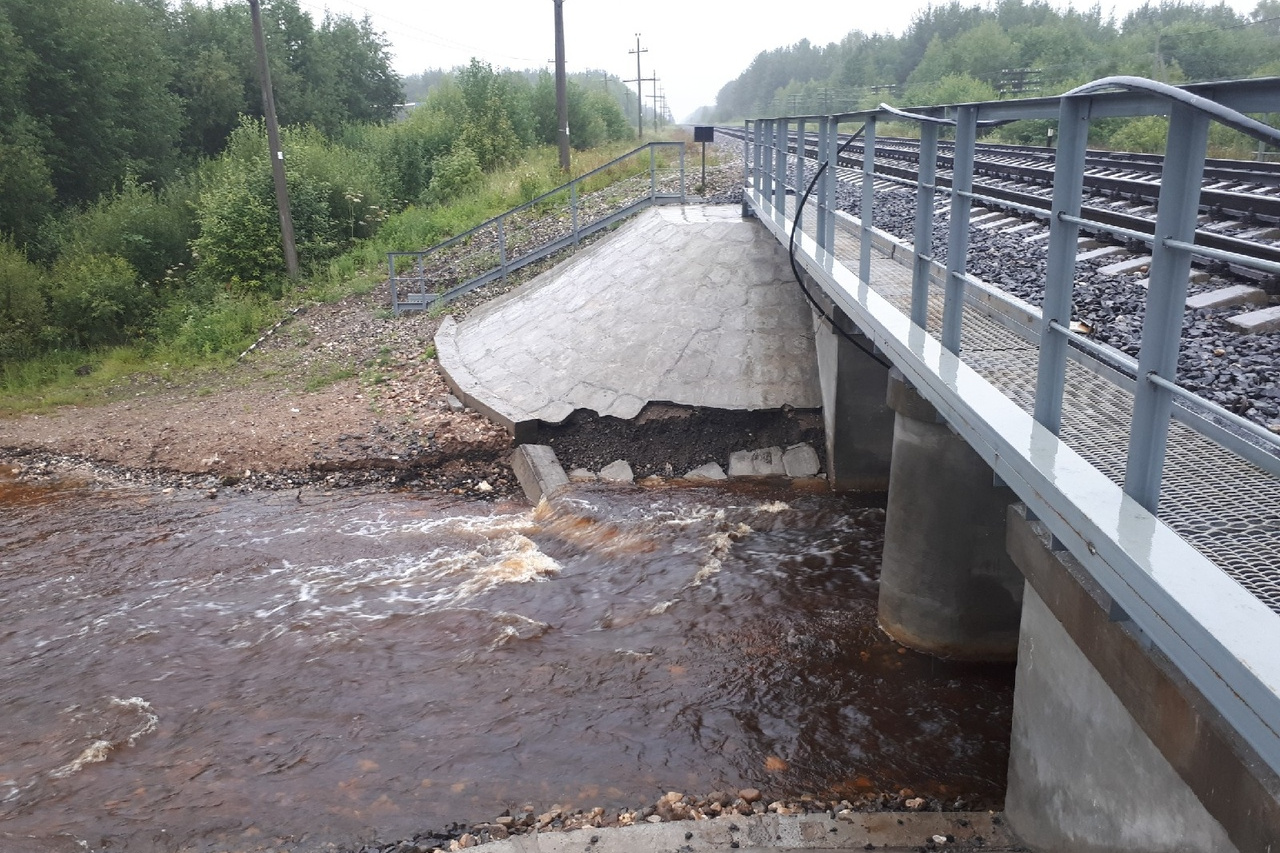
[(190, 673)]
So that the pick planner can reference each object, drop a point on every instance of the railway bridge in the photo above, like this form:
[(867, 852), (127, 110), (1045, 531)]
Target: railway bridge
[(1049, 498)]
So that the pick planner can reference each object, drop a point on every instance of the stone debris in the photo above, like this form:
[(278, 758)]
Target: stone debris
[(617, 471), (757, 463), (582, 475), (710, 471), (801, 460), (745, 806)]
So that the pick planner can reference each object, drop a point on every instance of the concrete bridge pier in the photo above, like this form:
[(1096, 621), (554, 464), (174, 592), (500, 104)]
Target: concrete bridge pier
[(947, 584), (858, 421)]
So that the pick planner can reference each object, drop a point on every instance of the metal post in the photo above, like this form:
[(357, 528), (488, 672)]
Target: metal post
[(800, 186), (653, 173), (502, 248), (1060, 275), (958, 238), (573, 209), (923, 240), (868, 200), (683, 198), (1176, 214), (747, 132), (757, 156), (820, 191), (766, 165), (391, 279), (829, 191), (780, 169)]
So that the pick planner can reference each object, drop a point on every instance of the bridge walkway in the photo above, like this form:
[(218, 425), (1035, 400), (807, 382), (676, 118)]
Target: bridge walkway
[(1224, 506)]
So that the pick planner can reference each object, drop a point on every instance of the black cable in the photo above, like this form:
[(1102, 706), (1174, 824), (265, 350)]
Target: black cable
[(795, 270)]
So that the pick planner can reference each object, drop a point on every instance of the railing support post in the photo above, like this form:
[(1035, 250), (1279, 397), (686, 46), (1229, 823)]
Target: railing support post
[(780, 170), (820, 191), (502, 246), (1060, 274), (683, 197), (746, 153), (653, 173), (829, 186), (800, 150), (1176, 214), (923, 239), (391, 279), (757, 157), (573, 209), (868, 199), (766, 165), (958, 238)]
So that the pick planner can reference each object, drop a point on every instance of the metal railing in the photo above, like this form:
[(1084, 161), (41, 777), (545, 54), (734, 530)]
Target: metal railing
[(538, 228), (1216, 632)]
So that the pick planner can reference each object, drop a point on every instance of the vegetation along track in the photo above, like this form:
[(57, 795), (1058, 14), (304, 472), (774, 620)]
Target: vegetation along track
[(1240, 204)]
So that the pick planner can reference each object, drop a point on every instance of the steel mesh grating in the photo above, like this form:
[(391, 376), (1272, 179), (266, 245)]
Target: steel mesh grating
[(1225, 507)]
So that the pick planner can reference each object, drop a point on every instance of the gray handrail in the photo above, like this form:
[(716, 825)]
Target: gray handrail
[(506, 264)]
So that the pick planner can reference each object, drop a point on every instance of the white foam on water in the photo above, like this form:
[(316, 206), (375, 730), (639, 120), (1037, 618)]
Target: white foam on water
[(774, 507), (100, 748)]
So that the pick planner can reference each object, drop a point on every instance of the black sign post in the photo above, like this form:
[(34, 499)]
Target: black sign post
[(704, 134)]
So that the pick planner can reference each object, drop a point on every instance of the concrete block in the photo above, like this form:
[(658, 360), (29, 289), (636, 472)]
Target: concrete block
[(1125, 267), (801, 460), (617, 471), (455, 405), (1100, 252), (1224, 297), (1258, 322), (757, 463), (708, 472), (538, 471)]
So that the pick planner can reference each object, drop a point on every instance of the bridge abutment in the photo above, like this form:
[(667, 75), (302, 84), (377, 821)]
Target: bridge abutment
[(947, 584)]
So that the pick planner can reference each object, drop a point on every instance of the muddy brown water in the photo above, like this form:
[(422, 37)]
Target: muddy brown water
[(186, 673)]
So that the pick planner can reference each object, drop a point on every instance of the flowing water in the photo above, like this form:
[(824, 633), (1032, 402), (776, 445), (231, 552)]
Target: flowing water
[(185, 673)]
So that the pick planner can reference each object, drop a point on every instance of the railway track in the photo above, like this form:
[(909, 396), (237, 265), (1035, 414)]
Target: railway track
[(1229, 356)]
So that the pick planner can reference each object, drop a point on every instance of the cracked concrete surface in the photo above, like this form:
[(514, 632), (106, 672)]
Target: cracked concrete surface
[(689, 305)]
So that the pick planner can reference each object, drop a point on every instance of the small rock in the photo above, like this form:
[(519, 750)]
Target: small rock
[(498, 832), (617, 471), (654, 818), (468, 840), (506, 821), (710, 471), (915, 803), (757, 463), (801, 460), (939, 839), (455, 405), (749, 795), (483, 486), (581, 475)]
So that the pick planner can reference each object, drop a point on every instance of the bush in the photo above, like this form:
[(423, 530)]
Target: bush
[(1146, 135), (95, 300), (149, 229), (21, 304), (333, 198), (455, 174)]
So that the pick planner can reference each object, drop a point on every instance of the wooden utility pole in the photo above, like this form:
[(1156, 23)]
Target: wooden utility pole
[(273, 141), (639, 81), (562, 97)]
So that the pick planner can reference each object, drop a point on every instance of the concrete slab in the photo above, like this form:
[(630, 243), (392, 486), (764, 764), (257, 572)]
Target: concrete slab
[(687, 305), (883, 831), (1225, 297), (1257, 322), (757, 463), (538, 471), (1129, 265)]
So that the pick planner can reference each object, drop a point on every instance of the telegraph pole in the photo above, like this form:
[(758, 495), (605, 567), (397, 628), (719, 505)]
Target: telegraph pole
[(562, 99), (273, 141), (639, 81)]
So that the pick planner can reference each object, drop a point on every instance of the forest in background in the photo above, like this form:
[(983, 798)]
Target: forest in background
[(953, 53), (136, 199)]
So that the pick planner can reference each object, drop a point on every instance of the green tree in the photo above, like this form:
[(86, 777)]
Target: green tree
[(21, 303)]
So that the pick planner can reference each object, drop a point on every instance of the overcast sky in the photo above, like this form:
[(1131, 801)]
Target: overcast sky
[(694, 47)]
